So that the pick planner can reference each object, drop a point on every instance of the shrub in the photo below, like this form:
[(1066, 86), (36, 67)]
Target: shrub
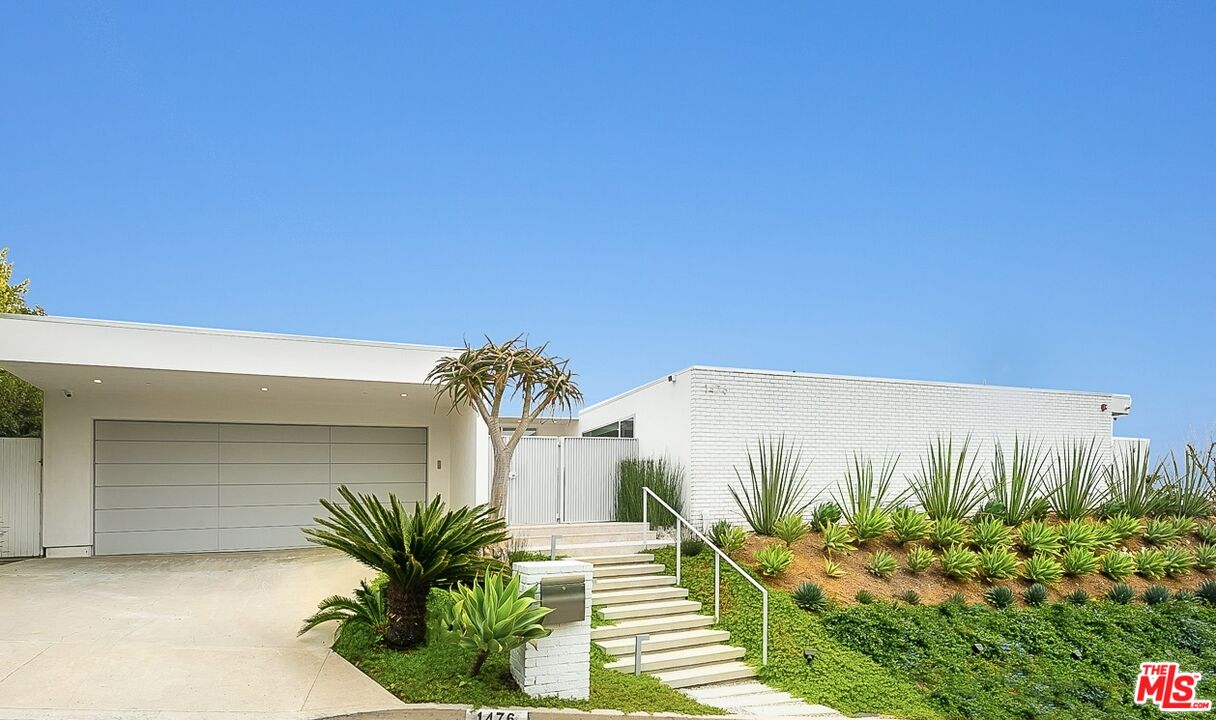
[(1077, 597), (490, 616), (790, 529), (1207, 591), (1015, 486), (1150, 563), (947, 532), (1078, 534), (870, 524), (882, 564), (999, 597), (1205, 557), (1131, 488), (948, 486), (1078, 561), (1036, 536), (1124, 526), (731, 539), (664, 477), (368, 608), (919, 559), (1207, 532), (1042, 568), (1188, 487), (810, 597), (777, 485), (955, 601), (1074, 481), (824, 514), (909, 525), (717, 530), (997, 563), (864, 597), (1035, 595), (1178, 561), (1118, 565), (1186, 596), (773, 559), (1156, 594), (831, 568), (1121, 594), (1162, 531), (863, 499), (837, 538), (910, 596), (959, 563), (990, 533), (430, 547)]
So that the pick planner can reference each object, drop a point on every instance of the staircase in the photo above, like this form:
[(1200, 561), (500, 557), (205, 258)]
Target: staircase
[(585, 540)]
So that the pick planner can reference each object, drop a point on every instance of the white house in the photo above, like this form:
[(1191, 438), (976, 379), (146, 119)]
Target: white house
[(708, 418)]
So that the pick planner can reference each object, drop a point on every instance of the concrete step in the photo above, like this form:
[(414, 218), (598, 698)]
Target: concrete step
[(650, 626), (758, 699), (681, 658), (796, 709), (638, 595), (630, 582), (608, 571), (650, 609), (706, 674), (727, 690), (572, 529), (617, 559), (665, 641), (595, 549)]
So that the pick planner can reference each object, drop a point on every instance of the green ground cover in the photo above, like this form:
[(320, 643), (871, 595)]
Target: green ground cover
[(436, 673)]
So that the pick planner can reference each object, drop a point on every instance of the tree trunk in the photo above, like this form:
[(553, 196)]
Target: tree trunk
[(498, 485), (478, 660), (406, 618)]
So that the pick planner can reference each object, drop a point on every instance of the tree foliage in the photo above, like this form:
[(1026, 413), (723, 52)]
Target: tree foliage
[(20, 402)]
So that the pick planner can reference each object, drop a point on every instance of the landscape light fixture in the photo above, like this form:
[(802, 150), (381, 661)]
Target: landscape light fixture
[(978, 648), (809, 655), (1076, 654)]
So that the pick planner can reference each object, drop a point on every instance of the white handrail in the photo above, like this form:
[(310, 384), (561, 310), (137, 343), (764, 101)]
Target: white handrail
[(718, 557)]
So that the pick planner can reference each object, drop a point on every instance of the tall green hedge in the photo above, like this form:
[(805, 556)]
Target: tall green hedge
[(663, 476)]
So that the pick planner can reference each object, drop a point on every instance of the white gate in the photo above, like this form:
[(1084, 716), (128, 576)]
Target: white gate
[(565, 479), (20, 497)]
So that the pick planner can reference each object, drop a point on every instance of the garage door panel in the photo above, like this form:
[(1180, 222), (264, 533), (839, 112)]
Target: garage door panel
[(274, 433), (156, 474), (400, 436), (378, 453), (156, 496), (252, 452), (163, 541), (348, 474), (157, 519), (235, 495), (274, 474), (269, 516), (121, 451), (155, 431), (265, 538), (411, 492)]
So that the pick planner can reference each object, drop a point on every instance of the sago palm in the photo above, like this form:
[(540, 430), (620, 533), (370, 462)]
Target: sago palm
[(367, 608), (431, 547)]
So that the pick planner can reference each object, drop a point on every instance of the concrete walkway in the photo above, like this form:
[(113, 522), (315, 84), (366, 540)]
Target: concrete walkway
[(176, 636)]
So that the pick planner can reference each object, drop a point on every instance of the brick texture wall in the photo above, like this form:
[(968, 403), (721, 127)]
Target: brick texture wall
[(832, 417)]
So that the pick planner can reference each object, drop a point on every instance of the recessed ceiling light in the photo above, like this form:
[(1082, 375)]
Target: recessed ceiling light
[(97, 380), (265, 389)]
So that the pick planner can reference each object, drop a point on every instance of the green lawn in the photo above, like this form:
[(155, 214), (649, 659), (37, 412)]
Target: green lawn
[(437, 673), (839, 677)]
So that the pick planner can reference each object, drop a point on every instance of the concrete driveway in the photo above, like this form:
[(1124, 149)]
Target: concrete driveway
[(165, 636)]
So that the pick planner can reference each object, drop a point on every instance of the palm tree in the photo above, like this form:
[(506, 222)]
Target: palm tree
[(486, 376), (432, 547)]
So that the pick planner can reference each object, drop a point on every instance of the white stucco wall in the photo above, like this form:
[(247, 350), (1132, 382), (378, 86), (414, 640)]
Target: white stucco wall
[(67, 474), (660, 412), (835, 416)]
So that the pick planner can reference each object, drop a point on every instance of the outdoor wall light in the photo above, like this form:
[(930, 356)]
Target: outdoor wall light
[(809, 654)]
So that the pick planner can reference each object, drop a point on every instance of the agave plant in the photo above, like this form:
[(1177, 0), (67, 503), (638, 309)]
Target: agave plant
[(1079, 561), (959, 563), (990, 533), (1074, 485), (432, 547), (1000, 597), (1043, 569), (825, 513), (1131, 488), (1156, 595), (837, 538), (1121, 594), (489, 616), (1150, 563), (1124, 526), (730, 539), (777, 485), (1035, 595), (1207, 591), (1178, 561), (882, 564), (773, 559), (831, 568), (909, 524), (1189, 487), (810, 597), (919, 559), (863, 500), (1077, 597), (1162, 532), (948, 486), (790, 529), (1118, 565), (1036, 536), (947, 532), (367, 609), (1205, 557), (1015, 485), (997, 563)]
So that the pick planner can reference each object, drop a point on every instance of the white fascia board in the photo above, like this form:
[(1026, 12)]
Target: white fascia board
[(72, 341)]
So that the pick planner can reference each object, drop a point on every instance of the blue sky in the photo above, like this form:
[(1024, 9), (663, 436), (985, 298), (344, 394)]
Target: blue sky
[(975, 192)]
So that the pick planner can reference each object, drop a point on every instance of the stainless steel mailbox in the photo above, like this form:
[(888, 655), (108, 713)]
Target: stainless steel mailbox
[(566, 595)]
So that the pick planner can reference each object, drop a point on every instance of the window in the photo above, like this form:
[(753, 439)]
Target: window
[(618, 429)]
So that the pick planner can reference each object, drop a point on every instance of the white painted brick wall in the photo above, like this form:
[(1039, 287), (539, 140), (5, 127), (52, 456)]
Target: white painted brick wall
[(835, 416), (558, 665)]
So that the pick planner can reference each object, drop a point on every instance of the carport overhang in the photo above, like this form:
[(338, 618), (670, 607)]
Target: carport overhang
[(92, 370)]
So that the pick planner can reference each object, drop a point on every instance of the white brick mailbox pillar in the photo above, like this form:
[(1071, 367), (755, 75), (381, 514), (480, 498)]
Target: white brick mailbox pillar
[(559, 665)]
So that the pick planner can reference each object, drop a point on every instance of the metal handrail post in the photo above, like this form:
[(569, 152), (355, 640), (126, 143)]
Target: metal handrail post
[(764, 632), (678, 536), (645, 521), (717, 588)]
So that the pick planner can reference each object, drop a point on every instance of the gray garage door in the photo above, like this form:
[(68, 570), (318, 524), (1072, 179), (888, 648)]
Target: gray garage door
[(199, 487)]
